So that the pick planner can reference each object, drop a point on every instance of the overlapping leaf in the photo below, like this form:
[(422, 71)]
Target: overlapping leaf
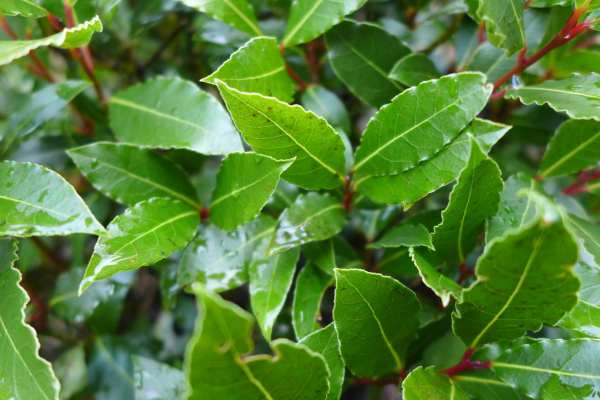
[(237, 13), (427, 264), (585, 316), (428, 384), (413, 69), (404, 235), (310, 287), (504, 23)]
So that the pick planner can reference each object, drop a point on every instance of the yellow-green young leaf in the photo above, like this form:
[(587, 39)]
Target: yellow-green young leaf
[(404, 235), (311, 218), (310, 287), (218, 363), (376, 312), (129, 174), (270, 280), (24, 8), (518, 282), (585, 316), (474, 199), (237, 13), (328, 105), (444, 287), (517, 206), (531, 365), (245, 183), (504, 23), (362, 56), (35, 201), (325, 342), (412, 185), (414, 69), (419, 123), (172, 113), (256, 67), (429, 384), (23, 374), (578, 96), (144, 234), (282, 131), (587, 232), (574, 146), (68, 38), (310, 18)]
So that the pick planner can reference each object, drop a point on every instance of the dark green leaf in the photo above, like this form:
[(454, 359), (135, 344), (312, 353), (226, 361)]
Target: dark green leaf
[(414, 69), (326, 104), (404, 235), (308, 294), (157, 381)]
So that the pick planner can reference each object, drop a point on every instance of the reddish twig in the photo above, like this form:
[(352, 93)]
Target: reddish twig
[(481, 34), (570, 31), (467, 364), (204, 213), (348, 193), (464, 272), (580, 185), (300, 84), (312, 60)]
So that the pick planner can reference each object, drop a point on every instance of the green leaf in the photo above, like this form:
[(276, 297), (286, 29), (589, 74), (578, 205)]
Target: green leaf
[(517, 281), (68, 38), (531, 365), (237, 13), (110, 368), (331, 253), (404, 235), (24, 374), (157, 381), (413, 69), (172, 113), (281, 131), (376, 310), (219, 260), (473, 200), (577, 96), (444, 287), (585, 316), (325, 342), (310, 287), (270, 281), (575, 146), (555, 390), (218, 365), (71, 371), (326, 104), (517, 208), (256, 67), (144, 234), (41, 107), (429, 384), (504, 23), (24, 8), (412, 185), (396, 141), (245, 183), (362, 56), (311, 218), (310, 18), (35, 201), (587, 232), (128, 174)]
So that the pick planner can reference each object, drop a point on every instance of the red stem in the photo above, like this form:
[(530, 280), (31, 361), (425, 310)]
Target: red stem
[(580, 184), (348, 193), (301, 85), (467, 364)]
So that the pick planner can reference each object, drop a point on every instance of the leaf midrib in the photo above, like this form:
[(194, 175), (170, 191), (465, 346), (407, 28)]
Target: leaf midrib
[(28, 204), (302, 21), (244, 18), (570, 154), (498, 364), (245, 187), (547, 89)]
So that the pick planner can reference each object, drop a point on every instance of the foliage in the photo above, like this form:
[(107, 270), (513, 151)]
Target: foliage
[(307, 199)]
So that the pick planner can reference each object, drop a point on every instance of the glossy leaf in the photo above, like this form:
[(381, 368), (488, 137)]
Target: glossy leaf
[(237, 13), (517, 281), (376, 311), (574, 147), (129, 174), (404, 235), (172, 113), (68, 38), (473, 200), (144, 234), (219, 260), (256, 67), (270, 281), (157, 381), (429, 384), (577, 96), (35, 201), (362, 55), (311, 218), (504, 23), (283, 132), (24, 374), (326, 104), (531, 365), (396, 140), (310, 18), (443, 286), (217, 365), (310, 287), (585, 316), (413, 69), (245, 183), (412, 185), (587, 232), (25, 8), (325, 342)]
